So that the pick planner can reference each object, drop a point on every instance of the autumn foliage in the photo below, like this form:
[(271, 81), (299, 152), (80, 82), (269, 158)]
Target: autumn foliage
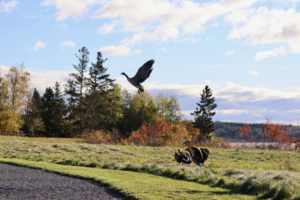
[(275, 133), (246, 132), (160, 133), (278, 134), (102, 136)]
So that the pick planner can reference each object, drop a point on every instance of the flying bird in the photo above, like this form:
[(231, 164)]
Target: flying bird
[(182, 157), (142, 74), (199, 156)]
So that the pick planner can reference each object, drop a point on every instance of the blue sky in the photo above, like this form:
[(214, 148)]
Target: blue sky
[(247, 51)]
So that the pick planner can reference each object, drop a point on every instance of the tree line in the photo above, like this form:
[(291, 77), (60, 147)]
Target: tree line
[(232, 130), (89, 101)]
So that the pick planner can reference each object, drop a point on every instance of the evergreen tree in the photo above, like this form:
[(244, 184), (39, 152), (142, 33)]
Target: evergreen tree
[(59, 113), (100, 88), (203, 115), (33, 125), (48, 113), (75, 89)]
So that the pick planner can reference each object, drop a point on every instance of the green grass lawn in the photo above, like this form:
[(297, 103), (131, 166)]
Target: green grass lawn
[(246, 171), (49, 149), (137, 185)]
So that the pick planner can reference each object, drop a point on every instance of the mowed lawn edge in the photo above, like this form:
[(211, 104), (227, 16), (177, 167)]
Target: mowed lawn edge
[(135, 185)]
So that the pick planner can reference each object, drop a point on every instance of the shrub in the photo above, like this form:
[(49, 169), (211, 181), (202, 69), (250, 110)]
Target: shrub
[(97, 137)]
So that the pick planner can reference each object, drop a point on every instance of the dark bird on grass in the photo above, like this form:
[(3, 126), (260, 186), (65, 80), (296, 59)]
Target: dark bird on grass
[(142, 74), (198, 156), (183, 158)]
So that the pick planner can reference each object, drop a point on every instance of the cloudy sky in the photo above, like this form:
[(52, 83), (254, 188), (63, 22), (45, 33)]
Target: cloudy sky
[(247, 51)]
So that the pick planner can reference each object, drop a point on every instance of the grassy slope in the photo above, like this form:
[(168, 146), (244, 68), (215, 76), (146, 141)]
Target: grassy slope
[(250, 171), (137, 185), (50, 149)]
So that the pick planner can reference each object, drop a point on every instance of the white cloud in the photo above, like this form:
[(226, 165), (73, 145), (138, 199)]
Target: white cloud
[(178, 89), (231, 112), (229, 53), (151, 20), (264, 54), (3, 70), (70, 44), (284, 67), (254, 73), (76, 8), (106, 28), (236, 92), (42, 79), (293, 111), (164, 49), (288, 1), (294, 45), (118, 50), (229, 91), (137, 51), (38, 45), (8, 7), (264, 26), (195, 40)]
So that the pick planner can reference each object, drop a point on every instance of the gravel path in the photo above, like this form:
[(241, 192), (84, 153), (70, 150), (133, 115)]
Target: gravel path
[(25, 183)]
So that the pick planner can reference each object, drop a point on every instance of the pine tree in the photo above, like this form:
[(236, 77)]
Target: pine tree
[(59, 112), (75, 89), (48, 113), (100, 86), (203, 115), (33, 121)]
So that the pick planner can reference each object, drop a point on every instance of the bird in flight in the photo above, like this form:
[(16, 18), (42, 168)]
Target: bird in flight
[(142, 74)]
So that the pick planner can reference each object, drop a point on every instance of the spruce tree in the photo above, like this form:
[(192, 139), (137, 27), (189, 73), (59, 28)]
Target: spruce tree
[(33, 120), (203, 114), (59, 112), (75, 89), (99, 88), (48, 113)]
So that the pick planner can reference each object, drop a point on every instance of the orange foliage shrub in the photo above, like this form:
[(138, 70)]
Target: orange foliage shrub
[(160, 133), (275, 133), (247, 132), (97, 137)]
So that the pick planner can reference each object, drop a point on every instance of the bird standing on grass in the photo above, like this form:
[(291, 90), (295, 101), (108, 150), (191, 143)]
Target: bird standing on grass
[(142, 74), (198, 156), (182, 157)]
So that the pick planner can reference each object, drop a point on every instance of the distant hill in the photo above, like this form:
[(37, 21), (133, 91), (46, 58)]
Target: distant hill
[(232, 130)]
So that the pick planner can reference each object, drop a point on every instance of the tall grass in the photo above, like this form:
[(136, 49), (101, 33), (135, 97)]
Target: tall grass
[(250, 171)]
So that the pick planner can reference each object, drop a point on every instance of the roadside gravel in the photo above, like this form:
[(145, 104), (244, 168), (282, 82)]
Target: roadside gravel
[(25, 183)]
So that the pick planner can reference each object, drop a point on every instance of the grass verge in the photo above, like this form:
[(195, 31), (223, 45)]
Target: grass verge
[(267, 173), (134, 185)]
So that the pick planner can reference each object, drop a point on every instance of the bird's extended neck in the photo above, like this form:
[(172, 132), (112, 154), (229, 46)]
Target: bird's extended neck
[(125, 75)]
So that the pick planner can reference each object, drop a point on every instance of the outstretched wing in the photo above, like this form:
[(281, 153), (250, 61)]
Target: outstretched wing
[(196, 155), (178, 157), (144, 71), (205, 153), (195, 152)]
